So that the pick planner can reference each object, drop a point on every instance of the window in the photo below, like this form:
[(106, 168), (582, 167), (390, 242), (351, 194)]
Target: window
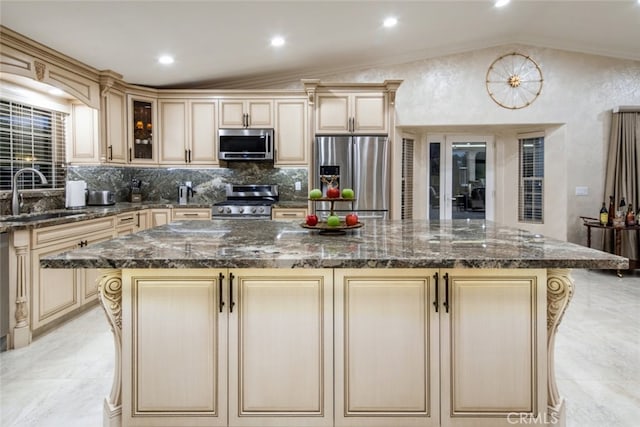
[(407, 179), (31, 137), (531, 188)]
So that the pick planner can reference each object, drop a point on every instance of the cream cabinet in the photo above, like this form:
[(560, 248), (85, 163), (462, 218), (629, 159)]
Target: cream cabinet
[(386, 348), (142, 132), (85, 126), (132, 222), (188, 132), (58, 292), (291, 133), (360, 112), (179, 335), (289, 213), (439, 347), (233, 354), (245, 113), (114, 116), (179, 214), (493, 346), (160, 216)]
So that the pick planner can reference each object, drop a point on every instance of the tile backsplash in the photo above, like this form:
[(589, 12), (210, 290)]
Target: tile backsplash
[(161, 184)]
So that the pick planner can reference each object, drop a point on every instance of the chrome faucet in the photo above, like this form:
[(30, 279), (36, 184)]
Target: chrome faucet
[(15, 205)]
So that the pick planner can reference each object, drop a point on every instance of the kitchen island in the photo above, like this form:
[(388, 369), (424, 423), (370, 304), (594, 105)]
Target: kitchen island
[(397, 323)]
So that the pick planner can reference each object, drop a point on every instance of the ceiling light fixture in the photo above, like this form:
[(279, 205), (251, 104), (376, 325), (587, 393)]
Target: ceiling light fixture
[(390, 22), (166, 59), (500, 3), (277, 41)]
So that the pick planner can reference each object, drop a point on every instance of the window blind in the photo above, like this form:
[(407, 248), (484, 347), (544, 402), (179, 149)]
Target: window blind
[(406, 207), (31, 137), (531, 187)]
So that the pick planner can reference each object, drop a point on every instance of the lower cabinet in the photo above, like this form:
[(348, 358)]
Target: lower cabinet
[(57, 292), (386, 347), (288, 213), (333, 347), (249, 348)]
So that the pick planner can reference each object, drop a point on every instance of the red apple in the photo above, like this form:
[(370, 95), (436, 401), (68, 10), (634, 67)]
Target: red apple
[(312, 220), (351, 219), (333, 192)]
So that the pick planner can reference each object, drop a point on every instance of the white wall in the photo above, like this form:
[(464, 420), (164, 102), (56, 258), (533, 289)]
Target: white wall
[(578, 94)]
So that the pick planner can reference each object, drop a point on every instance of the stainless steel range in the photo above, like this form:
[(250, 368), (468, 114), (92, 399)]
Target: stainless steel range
[(246, 201)]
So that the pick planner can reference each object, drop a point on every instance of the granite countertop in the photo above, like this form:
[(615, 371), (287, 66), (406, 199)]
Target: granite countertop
[(7, 223), (378, 244)]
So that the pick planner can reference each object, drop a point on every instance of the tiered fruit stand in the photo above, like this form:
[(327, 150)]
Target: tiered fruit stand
[(325, 228)]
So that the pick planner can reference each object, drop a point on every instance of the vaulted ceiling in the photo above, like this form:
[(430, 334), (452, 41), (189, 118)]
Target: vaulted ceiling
[(218, 43)]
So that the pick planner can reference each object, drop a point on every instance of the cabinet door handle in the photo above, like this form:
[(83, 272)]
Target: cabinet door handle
[(111, 152), (186, 156), (231, 301), (436, 302), (189, 156), (220, 298), (138, 219), (446, 292), (129, 155)]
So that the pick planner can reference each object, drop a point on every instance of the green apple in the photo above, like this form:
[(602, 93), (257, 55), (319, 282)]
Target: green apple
[(315, 194), (333, 221), (347, 193)]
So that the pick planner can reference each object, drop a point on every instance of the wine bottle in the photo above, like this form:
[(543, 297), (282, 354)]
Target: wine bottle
[(631, 219), (604, 215), (622, 208), (612, 211)]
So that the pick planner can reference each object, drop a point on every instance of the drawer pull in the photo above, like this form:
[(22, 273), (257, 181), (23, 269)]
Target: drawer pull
[(190, 214)]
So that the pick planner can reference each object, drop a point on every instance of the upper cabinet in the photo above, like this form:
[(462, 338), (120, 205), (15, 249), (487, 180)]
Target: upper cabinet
[(188, 132), (291, 132), (352, 109), (246, 113), (84, 135), (351, 113), (142, 139)]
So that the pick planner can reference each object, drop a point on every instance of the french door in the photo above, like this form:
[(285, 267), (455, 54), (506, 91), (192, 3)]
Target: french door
[(461, 177)]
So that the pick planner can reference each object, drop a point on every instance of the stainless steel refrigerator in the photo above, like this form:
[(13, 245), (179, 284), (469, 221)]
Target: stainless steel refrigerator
[(357, 162)]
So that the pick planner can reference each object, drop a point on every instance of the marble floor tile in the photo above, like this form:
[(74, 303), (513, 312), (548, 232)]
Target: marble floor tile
[(61, 379)]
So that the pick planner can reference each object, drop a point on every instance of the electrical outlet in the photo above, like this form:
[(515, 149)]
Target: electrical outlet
[(298, 186), (582, 191)]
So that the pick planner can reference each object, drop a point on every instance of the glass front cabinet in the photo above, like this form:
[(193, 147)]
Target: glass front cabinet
[(142, 133)]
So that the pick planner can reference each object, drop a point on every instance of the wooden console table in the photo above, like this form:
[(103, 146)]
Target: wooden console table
[(617, 233)]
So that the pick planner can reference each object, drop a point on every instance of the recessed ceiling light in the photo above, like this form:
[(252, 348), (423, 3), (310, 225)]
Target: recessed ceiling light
[(55, 91), (166, 59), (390, 22), (500, 3), (277, 41)]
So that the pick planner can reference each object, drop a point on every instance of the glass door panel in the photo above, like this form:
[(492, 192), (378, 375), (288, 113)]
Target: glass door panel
[(461, 177)]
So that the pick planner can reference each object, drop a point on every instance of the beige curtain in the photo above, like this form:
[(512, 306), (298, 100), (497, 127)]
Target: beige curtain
[(623, 170)]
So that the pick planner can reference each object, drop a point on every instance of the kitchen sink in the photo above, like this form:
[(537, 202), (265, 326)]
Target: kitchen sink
[(40, 217)]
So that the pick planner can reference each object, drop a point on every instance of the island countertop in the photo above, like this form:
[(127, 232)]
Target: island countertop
[(378, 244)]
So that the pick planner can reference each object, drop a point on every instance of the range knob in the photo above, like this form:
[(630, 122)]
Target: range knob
[(220, 209), (253, 210), (240, 210), (228, 210), (261, 210)]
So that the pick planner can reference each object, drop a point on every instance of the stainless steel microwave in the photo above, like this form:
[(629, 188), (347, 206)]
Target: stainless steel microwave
[(245, 144)]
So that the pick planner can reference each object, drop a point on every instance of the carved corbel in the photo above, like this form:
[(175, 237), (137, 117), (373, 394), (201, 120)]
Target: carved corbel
[(559, 293), (40, 69), (110, 294)]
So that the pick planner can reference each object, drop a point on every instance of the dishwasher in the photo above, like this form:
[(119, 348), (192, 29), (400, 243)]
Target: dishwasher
[(4, 290)]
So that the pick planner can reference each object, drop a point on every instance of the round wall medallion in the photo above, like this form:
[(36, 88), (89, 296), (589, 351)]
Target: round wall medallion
[(514, 81)]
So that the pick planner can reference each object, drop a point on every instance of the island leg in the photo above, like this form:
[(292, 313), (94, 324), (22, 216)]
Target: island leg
[(110, 294), (559, 293)]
